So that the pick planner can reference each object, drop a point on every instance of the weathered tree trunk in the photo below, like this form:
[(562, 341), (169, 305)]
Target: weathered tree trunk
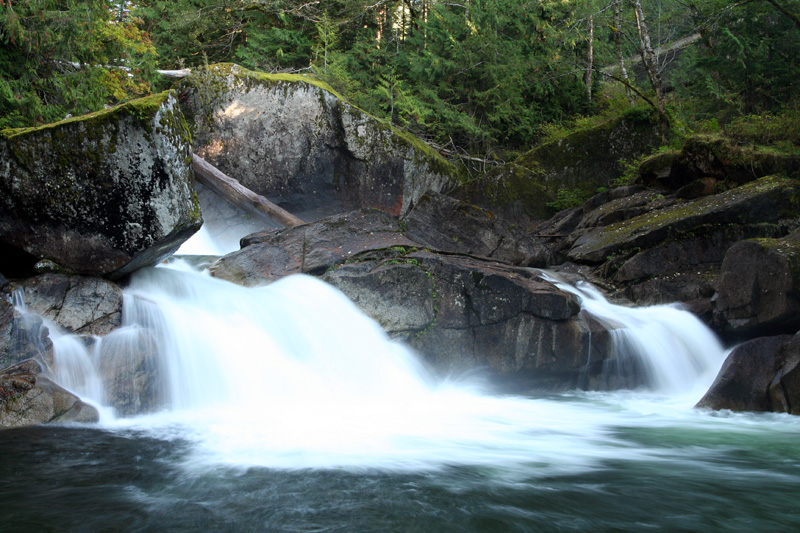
[(794, 18), (587, 77), (623, 72), (239, 195), (649, 57)]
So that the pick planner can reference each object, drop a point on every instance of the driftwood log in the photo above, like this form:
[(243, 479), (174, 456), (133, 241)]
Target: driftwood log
[(239, 195)]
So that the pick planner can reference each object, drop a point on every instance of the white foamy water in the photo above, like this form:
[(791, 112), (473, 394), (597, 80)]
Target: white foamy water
[(293, 375)]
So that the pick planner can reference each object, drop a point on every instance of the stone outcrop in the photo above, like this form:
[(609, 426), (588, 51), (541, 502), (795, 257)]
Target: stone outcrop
[(293, 140), (460, 311), (446, 224), (759, 288), (103, 194), (27, 398), (79, 304), (310, 249), (22, 336), (128, 365), (708, 162)]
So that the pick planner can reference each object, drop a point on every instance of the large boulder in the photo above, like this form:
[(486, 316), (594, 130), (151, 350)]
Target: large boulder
[(311, 248), (767, 200), (22, 336), (79, 304), (446, 224), (759, 288), (293, 140), (714, 160), (27, 398), (103, 194), (784, 391), (463, 313), (743, 382)]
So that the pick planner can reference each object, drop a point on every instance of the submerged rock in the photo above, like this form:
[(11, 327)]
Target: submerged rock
[(103, 194), (27, 398), (293, 140)]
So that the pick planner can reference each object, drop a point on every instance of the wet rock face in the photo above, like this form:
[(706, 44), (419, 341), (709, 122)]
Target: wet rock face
[(103, 194), (27, 398), (759, 288), (294, 141), (460, 311), (79, 304), (446, 224), (744, 380), (464, 313)]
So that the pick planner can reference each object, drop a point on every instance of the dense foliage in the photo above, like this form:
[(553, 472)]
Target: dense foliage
[(67, 56), (481, 76)]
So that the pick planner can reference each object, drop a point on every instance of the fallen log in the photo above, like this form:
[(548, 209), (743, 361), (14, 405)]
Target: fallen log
[(239, 195)]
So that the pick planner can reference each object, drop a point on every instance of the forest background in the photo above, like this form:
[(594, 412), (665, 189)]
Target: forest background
[(481, 79)]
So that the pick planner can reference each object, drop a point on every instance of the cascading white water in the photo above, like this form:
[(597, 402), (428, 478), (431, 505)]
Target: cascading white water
[(671, 348), (293, 375)]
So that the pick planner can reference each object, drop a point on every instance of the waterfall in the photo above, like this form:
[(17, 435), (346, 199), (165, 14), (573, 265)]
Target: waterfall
[(663, 347), (293, 375)]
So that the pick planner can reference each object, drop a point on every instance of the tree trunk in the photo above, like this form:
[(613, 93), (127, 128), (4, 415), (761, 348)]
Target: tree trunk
[(649, 57), (623, 72), (794, 18), (239, 195), (587, 77)]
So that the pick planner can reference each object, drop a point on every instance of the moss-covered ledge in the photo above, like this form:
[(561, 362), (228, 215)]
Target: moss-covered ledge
[(769, 199), (101, 194)]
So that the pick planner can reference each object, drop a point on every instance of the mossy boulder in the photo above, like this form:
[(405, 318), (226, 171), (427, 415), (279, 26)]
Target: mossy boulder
[(103, 194), (768, 200), (712, 158), (759, 288), (292, 139), (592, 157)]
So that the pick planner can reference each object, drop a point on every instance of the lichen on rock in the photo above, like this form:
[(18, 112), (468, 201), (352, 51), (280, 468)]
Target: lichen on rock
[(102, 194)]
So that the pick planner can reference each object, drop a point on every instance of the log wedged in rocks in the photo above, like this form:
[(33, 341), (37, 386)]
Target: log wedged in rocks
[(239, 195), (293, 140)]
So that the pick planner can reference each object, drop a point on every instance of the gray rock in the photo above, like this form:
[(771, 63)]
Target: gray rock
[(103, 194), (79, 304), (743, 382), (464, 313), (784, 391), (130, 370), (759, 288), (312, 248), (27, 398), (22, 336), (293, 140), (446, 224), (767, 200)]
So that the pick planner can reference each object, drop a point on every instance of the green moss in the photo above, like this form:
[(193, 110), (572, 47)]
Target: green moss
[(141, 108), (657, 225)]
